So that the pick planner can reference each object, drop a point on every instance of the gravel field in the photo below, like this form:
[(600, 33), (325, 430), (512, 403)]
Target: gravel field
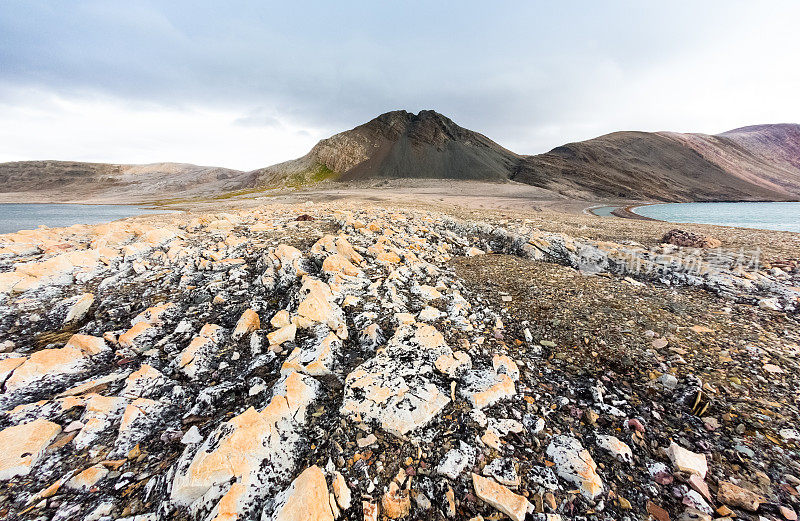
[(289, 358)]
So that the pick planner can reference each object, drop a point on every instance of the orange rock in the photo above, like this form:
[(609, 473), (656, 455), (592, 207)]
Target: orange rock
[(503, 387), (428, 337), (153, 315), (90, 345), (15, 282), (247, 323), (452, 364), (158, 236), (370, 511), (248, 440), (79, 308), (91, 386), (502, 364), (281, 319), (284, 334), (23, 445), (500, 497), (388, 257), (491, 439), (346, 249), (140, 380), (136, 409), (396, 503), (129, 338), (229, 505), (88, 478), (289, 257), (319, 358), (339, 264), (209, 334), (51, 490), (99, 410), (65, 360), (7, 365), (316, 305), (306, 499), (341, 491)]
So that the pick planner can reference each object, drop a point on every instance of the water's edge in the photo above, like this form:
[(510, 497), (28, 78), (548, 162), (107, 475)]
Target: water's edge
[(15, 217)]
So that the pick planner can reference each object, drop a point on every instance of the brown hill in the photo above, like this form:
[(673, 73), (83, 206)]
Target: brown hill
[(751, 163), (101, 182), (399, 144)]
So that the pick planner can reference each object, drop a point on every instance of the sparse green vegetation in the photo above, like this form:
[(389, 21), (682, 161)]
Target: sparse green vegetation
[(316, 175)]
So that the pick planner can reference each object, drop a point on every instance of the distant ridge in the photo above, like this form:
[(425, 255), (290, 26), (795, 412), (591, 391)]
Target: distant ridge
[(754, 163), (76, 181)]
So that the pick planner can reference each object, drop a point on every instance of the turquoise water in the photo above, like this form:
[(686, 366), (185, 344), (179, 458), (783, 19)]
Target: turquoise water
[(18, 216), (604, 211), (765, 216)]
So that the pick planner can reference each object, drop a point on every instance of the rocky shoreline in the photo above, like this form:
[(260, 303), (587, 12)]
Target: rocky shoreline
[(325, 361)]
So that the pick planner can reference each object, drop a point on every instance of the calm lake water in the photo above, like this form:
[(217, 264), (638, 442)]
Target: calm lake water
[(765, 216), (15, 217), (604, 211)]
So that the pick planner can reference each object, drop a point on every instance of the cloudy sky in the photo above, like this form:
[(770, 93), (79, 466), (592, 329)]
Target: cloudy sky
[(247, 84)]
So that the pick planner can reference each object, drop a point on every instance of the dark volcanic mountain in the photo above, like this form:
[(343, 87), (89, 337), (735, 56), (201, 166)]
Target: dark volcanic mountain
[(399, 144)]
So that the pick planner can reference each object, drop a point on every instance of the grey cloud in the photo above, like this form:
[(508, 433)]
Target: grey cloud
[(504, 70)]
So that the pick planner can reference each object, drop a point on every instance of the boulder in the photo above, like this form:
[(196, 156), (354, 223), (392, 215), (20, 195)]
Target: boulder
[(67, 360), (341, 491), (23, 445), (306, 499), (678, 237), (88, 478), (244, 445), (78, 310)]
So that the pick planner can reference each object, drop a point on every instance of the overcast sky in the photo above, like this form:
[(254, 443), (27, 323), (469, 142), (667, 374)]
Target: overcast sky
[(248, 84)]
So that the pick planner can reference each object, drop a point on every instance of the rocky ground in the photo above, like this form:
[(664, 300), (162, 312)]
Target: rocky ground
[(326, 361)]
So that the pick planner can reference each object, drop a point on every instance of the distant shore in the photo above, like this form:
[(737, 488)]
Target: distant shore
[(627, 212)]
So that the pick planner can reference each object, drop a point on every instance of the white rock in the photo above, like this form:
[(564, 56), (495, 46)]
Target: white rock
[(669, 381), (574, 464), (257, 389), (616, 447), (457, 461), (74, 425), (341, 491), (79, 309), (192, 436), (687, 461)]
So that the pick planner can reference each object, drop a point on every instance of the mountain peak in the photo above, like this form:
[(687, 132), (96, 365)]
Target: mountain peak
[(399, 144)]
